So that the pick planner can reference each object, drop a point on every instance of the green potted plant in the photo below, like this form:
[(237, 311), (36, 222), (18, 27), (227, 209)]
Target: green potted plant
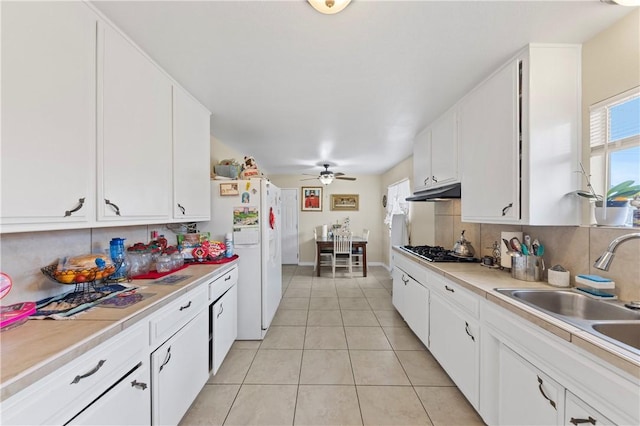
[(613, 208)]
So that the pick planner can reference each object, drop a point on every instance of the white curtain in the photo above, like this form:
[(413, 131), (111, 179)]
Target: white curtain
[(396, 200)]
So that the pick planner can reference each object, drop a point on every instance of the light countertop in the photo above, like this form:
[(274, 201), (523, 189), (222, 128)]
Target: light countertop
[(38, 347), (483, 282)]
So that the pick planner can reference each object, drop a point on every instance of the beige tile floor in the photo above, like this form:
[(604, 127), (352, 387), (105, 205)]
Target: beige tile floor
[(337, 353)]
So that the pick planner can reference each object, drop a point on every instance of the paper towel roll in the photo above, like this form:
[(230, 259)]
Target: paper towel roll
[(505, 259), (325, 231)]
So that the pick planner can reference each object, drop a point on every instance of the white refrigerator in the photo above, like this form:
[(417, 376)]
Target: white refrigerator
[(250, 209)]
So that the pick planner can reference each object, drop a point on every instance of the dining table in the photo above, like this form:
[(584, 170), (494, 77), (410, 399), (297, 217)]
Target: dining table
[(326, 244)]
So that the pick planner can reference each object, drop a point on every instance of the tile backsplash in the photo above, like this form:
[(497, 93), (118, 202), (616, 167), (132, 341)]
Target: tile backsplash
[(574, 247), (23, 254)]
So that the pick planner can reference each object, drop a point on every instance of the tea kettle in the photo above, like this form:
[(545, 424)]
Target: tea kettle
[(463, 247)]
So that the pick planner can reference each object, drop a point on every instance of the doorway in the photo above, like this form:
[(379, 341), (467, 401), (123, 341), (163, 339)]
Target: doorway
[(290, 248)]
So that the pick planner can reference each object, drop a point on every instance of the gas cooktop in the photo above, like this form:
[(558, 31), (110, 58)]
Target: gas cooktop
[(436, 254)]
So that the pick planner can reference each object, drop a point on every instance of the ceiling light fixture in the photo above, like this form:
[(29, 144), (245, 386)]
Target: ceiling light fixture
[(329, 7), (326, 178)]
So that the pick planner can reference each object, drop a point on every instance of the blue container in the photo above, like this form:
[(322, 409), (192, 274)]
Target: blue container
[(116, 250)]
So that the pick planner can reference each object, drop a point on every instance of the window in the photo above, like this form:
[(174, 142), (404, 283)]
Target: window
[(396, 200), (615, 140)]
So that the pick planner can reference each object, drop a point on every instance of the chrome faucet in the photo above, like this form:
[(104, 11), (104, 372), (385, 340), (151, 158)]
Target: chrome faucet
[(604, 261)]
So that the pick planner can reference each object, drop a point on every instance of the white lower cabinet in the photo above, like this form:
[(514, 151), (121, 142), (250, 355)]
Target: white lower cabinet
[(411, 299), (126, 403), (224, 326), (179, 371), (578, 412), (454, 342), (526, 395)]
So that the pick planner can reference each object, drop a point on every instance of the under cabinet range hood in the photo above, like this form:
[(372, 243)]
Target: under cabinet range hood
[(437, 194)]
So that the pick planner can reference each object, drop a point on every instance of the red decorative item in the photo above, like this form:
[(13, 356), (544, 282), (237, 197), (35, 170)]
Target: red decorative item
[(199, 253), (272, 218)]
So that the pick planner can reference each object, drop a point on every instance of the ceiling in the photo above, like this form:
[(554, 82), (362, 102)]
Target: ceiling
[(295, 88)]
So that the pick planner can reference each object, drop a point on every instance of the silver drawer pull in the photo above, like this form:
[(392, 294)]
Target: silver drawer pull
[(187, 306), (167, 358), (94, 370), (405, 281), (228, 278), (446, 287), (139, 385)]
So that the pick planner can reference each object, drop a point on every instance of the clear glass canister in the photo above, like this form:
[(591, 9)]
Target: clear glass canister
[(164, 263), (177, 260)]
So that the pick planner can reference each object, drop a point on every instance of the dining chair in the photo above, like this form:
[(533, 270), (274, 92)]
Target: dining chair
[(342, 252), (357, 254), (326, 256)]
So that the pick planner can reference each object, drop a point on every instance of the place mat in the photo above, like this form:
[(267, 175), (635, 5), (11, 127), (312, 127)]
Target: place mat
[(64, 306), (172, 279), (124, 300), (154, 275)]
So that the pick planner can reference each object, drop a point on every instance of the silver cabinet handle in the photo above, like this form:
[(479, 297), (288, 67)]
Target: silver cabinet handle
[(466, 328), (426, 180), (434, 179), (405, 281), (228, 278), (553, 404), (504, 210), (580, 421), (452, 290), (221, 310), (91, 372), (187, 306), (181, 208), (116, 208), (167, 358), (139, 385), (76, 208)]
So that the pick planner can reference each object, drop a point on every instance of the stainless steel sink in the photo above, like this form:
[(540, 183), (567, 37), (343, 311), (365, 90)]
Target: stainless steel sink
[(609, 320), (625, 332), (572, 304)]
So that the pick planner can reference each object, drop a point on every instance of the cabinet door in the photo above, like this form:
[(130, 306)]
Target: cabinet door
[(416, 307), (191, 161), (578, 412), (134, 133), (526, 396), (180, 368), (422, 161), (127, 403), (224, 317), (454, 342), (444, 150), (490, 150), (48, 115), (397, 295)]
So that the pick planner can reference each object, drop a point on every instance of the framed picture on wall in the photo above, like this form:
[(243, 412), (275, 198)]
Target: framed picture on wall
[(345, 202), (311, 199)]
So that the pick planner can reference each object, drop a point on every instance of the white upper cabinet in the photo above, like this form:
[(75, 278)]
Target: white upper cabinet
[(48, 116), (134, 134), (435, 153), (520, 140), (422, 161), (191, 152)]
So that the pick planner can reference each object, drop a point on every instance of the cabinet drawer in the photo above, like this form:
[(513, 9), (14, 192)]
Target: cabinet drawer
[(64, 393), (172, 317), (456, 294), (220, 285), (413, 269)]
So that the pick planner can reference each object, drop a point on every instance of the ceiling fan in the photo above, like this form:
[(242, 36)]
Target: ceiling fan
[(327, 176)]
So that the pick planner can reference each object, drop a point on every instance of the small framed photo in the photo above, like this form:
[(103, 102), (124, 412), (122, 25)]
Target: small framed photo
[(227, 189), (345, 202), (311, 199)]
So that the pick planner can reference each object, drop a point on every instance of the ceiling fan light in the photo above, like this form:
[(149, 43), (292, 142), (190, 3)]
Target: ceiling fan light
[(329, 7), (326, 179)]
